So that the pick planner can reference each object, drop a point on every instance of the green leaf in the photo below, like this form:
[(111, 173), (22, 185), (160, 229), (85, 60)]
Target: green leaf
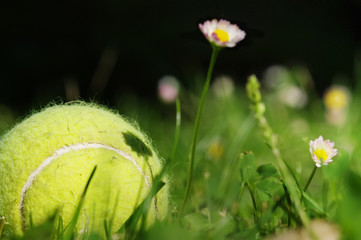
[(268, 170), (223, 227), (247, 167), (196, 222), (269, 185)]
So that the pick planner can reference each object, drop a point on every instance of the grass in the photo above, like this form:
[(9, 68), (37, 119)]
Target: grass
[(226, 204), (249, 179)]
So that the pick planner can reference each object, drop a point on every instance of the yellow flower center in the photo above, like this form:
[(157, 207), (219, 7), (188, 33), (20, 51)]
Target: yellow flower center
[(336, 98), (222, 35), (216, 150), (321, 154)]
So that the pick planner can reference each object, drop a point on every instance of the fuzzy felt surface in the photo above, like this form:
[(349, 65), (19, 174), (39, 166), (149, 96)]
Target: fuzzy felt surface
[(120, 183)]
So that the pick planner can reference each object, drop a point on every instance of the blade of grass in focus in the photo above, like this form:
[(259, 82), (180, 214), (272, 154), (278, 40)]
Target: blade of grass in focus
[(69, 230)]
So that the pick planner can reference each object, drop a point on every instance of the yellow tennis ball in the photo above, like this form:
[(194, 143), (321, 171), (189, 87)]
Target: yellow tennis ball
[(46, 161)]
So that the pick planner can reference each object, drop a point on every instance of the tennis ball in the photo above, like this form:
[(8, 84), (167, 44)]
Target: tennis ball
[(46, 161)]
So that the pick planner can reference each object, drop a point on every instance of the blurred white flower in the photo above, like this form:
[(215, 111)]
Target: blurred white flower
[(286, 86), (299, 126), (293, 96), (323, 230), (276, 75), (222, 33), (336, 117), (223, 86), (168, 89), (322, 151)]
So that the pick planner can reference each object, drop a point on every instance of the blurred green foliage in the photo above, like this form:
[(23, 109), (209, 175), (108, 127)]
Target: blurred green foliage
[(237, 190)]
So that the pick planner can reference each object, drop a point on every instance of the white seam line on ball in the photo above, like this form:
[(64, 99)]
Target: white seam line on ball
[(64, 150)]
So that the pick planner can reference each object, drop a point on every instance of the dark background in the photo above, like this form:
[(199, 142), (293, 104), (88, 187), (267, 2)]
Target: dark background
[(109, 48)]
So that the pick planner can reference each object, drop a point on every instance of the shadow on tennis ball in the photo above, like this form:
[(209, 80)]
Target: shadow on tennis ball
[(137, 145)]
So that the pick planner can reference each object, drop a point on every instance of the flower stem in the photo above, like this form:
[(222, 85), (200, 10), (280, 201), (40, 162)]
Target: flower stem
[(177, 130), (310, 179), (258, 108), (196, 127)]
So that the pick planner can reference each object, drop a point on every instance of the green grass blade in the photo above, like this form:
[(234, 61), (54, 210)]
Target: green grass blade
[(131, 224), (2, 222), (69, 230), (315, 204), (177, 130)]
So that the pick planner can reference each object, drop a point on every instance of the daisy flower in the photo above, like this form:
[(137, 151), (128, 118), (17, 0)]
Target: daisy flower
[(322, 151), (222, 33), (168, 89)]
